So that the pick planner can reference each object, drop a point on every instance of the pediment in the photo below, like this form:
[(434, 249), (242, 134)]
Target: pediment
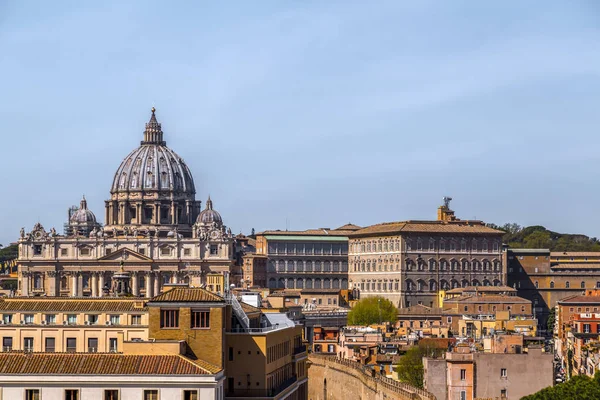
[(126, 255)]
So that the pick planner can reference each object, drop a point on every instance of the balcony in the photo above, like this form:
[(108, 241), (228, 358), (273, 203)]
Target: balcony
[(241, 392)]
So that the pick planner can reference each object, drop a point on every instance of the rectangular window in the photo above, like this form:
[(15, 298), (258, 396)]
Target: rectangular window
[(63, 252), (112, 345), (32, 394), (71, 345), (187, 252), (142, 251), (7, 319), (50, 345), (231, 354), (586, 328), (111, 394), (72, 319), (214, 250), (463, 374), (92, 319), (92, 345), (150, 394), (28, 318), (84, 251), (463, 395), (136, 320), (503, 372), (190, 395), (28, 344), (71, 394), (200, 319), (7, 343), (165, 251), (169, 318), (115, 319), (50, 319), (503, 393)]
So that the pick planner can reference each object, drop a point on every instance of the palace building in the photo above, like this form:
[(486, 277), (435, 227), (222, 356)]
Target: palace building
[(409, 262), (155, 233)]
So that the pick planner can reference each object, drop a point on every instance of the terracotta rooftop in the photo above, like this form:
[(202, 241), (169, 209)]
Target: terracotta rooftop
[(581, 299), (309, 232), (249, 309), (98, 364), (185, 295), (482, 289), (575, 254), (420, 309), (464, 227), (62, 304), (348, 227), (492, 298)]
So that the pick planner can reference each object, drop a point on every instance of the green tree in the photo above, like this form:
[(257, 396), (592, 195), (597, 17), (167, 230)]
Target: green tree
[(551, 319), (579, 387), (372, 310), (410, 367)]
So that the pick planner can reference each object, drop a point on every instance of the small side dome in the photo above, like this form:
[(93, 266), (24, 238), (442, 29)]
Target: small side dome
[(83, 215), (209, 216)]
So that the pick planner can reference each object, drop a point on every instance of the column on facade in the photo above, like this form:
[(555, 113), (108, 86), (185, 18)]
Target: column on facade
[(188, 212), (94, 283), (173, 213), (157, 215), (156, 283), (80, 285), (25, 284), (74, 284), (134, 284), (174, 277), (139, 214), (101, 284), (149, 287)]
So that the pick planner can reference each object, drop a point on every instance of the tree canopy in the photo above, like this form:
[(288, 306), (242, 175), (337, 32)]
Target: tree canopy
[(579, 387), (372, 310), (538, 237), (410, 366)]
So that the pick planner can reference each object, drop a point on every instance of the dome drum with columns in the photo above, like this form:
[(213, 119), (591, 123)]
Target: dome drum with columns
[(155, 234), (153, 189)]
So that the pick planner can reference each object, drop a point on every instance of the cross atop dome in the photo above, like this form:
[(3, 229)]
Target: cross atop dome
[(153, 133)]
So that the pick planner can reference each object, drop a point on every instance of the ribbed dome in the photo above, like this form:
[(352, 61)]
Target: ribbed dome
[(153, 166), (208, 215), (83, 215)]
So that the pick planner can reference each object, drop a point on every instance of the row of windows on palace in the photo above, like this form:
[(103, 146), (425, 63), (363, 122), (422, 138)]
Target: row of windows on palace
[(567, 285), (38, 280), (424, 245), (114, 394), (86, 251), (307, 266), (70, 319), (421, 285), (308, 248), (308, 283), (431, 265)]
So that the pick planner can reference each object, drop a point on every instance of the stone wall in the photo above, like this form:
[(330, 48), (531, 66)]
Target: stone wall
[(332, 379)]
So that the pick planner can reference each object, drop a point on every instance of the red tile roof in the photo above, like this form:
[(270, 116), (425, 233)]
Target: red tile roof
[(459, 227), (98, 364), (581, 299), (72, 304), (185, 295)]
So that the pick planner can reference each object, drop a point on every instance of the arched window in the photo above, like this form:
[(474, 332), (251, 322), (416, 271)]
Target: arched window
[(290, 283), (409, 285), (497, 282), (432, 265), (465, 283), (475, 282), (309, 283), (444, 284), (318, 284), (432, 285), (300, 283), (326, 283), (420, 285), (272, 283), (551, 285), (567, 284)]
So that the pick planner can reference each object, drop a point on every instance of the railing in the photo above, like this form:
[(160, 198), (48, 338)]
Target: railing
[(237, 309), (261, 392)]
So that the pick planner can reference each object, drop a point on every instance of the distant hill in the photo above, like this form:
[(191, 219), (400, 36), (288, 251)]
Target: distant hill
[(9, 252), (538, 237)]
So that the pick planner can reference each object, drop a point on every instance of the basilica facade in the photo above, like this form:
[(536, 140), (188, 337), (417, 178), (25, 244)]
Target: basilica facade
[(155, 233)]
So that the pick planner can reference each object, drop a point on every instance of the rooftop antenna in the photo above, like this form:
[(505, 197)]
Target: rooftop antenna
[(286, 225)]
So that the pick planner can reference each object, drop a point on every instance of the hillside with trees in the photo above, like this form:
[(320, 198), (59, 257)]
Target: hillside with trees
[(538, 237), (578, 387)]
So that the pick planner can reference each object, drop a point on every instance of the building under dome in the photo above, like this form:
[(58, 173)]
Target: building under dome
[(154, 232)]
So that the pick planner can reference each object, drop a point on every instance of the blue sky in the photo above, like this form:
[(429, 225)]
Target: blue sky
[(318, 112)]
